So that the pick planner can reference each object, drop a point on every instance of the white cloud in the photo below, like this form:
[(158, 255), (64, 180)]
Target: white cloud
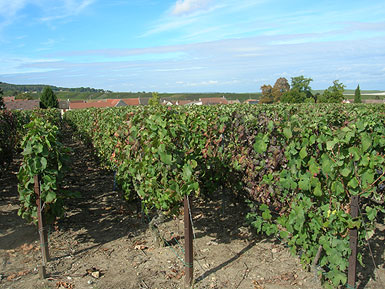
[(11, 10), (188, 6), (20, 65), (67, 8)]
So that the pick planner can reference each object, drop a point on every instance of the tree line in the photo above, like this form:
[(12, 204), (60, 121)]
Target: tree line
[(17, 89), (300, 92)]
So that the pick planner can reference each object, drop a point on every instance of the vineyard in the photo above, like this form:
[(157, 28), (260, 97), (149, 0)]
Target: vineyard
[(296, 167)]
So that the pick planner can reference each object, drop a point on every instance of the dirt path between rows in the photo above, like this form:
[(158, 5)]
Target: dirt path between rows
[(103, 242)]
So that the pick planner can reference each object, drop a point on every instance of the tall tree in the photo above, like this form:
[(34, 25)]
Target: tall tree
[(155, 99), (280, 87), (357, 95), (300, 90), (2, 105), (267, 96), (294, 95), (334, 94), (48, 98), (303, 85)]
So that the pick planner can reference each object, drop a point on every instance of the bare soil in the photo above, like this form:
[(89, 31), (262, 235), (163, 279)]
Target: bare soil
[(103, 242)]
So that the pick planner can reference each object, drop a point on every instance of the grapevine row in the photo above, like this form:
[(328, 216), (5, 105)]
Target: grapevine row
[(43, 156), (298, 165)]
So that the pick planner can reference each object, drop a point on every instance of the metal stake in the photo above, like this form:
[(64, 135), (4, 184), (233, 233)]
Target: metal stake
[(42, 230), (353, 234), (188, 237)]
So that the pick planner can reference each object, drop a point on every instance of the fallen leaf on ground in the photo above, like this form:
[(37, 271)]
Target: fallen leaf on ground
[(61, 284), (140, 247), (257, 285), (11, 277), (25, 247)]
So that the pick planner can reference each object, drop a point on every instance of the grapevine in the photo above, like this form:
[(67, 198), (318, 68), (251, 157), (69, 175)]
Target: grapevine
[(297, 165)]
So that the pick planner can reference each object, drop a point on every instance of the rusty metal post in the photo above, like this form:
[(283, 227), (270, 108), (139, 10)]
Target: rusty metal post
[(353, 236), (188, 237), (42, 230)]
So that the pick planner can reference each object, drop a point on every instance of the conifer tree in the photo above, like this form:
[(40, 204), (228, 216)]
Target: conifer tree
[(48, 98), (357, 95), (2, 105), (155, 99)]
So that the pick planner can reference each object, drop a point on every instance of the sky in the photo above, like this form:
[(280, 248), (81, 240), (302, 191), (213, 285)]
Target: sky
[(191, 45)]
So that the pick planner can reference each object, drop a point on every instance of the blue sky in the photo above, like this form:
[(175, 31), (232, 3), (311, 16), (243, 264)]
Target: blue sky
[(191, 45)]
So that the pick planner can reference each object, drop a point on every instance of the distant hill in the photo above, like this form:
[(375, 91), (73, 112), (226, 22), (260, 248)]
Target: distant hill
[(14, 89), (32, 91)]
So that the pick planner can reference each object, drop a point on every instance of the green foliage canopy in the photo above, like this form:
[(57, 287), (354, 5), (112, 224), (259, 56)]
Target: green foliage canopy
[(267, 94), (300, 90), (334, 94), (2, 105), (300, 171), (48, 98), (357, 95), (155, 99), (280, 87)]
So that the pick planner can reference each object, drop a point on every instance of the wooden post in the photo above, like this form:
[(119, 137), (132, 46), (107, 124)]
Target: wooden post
[(42, 230), (188, 237), (353, 234)]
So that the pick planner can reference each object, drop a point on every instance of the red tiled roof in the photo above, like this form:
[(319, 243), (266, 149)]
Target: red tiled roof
[(22, 104), (104, 103), (373, 101), (131, 101), (184, 101), (214, 100), (111, 101), (76, 105), (75, 101)]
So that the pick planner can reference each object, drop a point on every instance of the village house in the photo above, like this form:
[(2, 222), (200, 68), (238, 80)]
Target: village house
[(104, 103), (213, 100), (251, 101), (188, 102), (22, 104)]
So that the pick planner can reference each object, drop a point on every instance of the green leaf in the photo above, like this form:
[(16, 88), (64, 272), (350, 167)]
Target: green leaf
[(266, 215), (354, 151), (257, 224), (260, 144), (317, 191), (345, 171), (187, 172), (371, 213), (287, 133), (284, 234), (27, 150), (304, 184), (303, 153), (366, 142), (337, 187), (353, 183), (194, 164), (313, 166), (330, 144), (165, 158), (43, 161), (39, 148), (50, 197), (338, 277), (367, 178), (326, 164)]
